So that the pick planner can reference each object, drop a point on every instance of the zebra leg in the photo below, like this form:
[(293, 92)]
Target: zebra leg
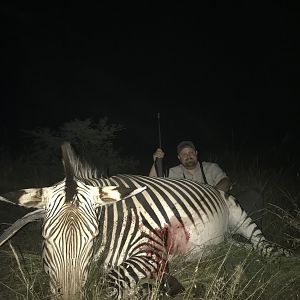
[(242, 224), (126, 279), (171, 286), (168, 286)]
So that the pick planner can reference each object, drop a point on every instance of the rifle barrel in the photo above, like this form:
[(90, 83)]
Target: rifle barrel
[(159, 132)]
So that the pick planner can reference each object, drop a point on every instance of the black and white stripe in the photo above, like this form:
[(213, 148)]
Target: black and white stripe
[(138, 236)]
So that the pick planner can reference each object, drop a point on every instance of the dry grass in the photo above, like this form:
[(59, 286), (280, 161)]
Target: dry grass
[(228, 272)]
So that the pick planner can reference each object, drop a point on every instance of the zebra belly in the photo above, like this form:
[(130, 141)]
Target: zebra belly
[(185, 237), (188, 237), (210, 230)]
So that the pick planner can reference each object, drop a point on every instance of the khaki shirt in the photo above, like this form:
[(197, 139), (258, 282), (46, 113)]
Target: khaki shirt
[(212, 171)]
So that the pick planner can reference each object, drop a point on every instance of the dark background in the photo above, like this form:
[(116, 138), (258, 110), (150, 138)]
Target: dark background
[(223, 74)]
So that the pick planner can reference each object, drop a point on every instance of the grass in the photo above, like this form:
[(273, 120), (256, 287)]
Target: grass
[(227, 272), (22, 276)]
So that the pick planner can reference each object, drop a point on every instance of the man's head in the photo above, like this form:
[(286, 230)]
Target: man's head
[(187, 154)]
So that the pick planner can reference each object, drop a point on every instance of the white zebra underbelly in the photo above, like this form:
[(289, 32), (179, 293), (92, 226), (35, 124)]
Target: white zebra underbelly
[(187, 237)]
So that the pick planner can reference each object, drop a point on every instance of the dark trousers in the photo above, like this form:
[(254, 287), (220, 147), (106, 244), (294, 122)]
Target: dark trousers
[(252, 202)]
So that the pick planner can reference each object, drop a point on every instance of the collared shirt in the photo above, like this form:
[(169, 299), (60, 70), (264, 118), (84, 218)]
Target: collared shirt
[(212, 171)]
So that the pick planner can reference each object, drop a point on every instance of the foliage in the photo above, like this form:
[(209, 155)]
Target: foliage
[(92, 140), (41, 162)]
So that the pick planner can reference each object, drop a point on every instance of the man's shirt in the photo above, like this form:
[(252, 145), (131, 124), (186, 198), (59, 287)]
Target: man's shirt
[(212, 171)]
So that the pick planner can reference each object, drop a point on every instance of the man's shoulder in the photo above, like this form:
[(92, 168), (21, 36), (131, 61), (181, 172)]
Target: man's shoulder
[(176, 172), (213, 168), (208, 164), (176, 168)]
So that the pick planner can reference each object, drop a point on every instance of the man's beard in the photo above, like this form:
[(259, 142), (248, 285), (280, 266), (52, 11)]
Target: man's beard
[(190, 163)]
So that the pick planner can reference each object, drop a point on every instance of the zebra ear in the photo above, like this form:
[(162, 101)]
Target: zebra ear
[(110, 194), (34, 197)]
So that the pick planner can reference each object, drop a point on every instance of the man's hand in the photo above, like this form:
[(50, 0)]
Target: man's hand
[(159, 153)]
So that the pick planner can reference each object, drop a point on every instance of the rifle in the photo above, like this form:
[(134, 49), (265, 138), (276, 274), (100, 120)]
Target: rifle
[(159, 161)]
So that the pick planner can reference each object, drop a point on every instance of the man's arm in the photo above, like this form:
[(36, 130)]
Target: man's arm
[(224, 185), (152, 172), (217, 177), (157, 154)]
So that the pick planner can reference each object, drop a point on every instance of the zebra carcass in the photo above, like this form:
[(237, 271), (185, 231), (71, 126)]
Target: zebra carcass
[(135, 224)]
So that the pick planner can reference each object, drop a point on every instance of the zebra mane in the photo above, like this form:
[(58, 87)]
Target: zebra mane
[(73, 166)]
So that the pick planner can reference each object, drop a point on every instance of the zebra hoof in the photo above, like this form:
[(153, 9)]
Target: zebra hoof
[(112, 293), (199, 291), (144, 291), (171, 286)]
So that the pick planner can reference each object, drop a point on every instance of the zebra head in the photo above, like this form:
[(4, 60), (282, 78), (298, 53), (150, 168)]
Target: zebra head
[(70, 210)]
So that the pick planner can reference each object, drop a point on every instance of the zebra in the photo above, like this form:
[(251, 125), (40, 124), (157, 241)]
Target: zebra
[(133, 224)]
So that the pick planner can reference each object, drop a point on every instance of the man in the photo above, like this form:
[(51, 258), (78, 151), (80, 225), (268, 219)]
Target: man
[(207, 172), (191, 168)]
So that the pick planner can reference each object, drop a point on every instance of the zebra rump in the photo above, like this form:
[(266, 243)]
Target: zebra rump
[(134, 225)]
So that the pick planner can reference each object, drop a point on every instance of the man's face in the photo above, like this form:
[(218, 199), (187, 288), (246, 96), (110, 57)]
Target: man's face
[(188, 157)]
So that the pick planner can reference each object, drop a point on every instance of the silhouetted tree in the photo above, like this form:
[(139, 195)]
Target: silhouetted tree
[(93, 141)]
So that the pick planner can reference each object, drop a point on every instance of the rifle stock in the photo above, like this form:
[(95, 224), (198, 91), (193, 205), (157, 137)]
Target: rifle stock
[(159, 167)]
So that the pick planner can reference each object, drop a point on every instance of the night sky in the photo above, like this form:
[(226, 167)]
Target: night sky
[(219, 74)]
